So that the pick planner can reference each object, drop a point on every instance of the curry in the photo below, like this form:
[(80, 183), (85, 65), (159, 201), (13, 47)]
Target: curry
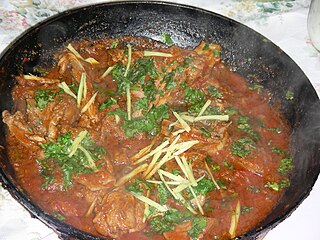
[(135, 139)]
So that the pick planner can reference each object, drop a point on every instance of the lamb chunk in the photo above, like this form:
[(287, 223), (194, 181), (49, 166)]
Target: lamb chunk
[(180, 232), (119, 213), (20, 129), (97, 181)]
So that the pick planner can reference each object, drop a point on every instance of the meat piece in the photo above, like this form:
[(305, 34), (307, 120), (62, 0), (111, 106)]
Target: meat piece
[(180, 232), (97, 181), (20, 129), (64, 113), (31, 80), (69, 60), (111, 129), (119, 213)]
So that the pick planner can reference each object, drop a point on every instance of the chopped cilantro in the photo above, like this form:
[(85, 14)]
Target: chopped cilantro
[(221, 183), (150, 90), (136, 186), (173, 217), (245, 126), (187, 61), (255, 87), (242, 147), (56, 155), (278, 151), (276, 186), (253, 189), (118, 112), (217, 53), (58, 215), (276, 130), (43, 97), (289, 95), (206, 46), (175, 172), (208, 159), (230, 111), (198, 225), (149, 123), (246, 209), (228, 165), (136, 74), (285, 166), (167, 222), (159, 225), (114, 44), (163, 193), (179, 69), (183, 84), (166, 38), (205, 185), (195, 99), (205, 133), (214, 92), (169, 80), (215, 167), (193, 96), (141, 104), (107, 103)]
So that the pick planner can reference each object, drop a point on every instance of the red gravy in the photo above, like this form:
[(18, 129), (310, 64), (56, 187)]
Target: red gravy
[(89, 153)]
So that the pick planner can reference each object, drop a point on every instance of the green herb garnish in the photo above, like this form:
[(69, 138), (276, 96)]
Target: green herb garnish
[(276, 186), (253, 189), (107, 103), (149, 123), (166, 38), (217, 53), (276, 130), (195, 99), (205, 133), (214, 92), (169, 80), (43, 97), (230, 111), (173, 217), (242, 147), (205, 185), (58, 215), (141, 104), (136, 186), (56, 158), (114, 44), (285, 166), (206, 46), (246, 209), (255, 87), (245, 126), (198, 225), (136, 74), (289, 95), (163, 193), (278, 151)]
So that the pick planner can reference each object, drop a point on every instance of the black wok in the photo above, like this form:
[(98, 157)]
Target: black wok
[(249, 53)]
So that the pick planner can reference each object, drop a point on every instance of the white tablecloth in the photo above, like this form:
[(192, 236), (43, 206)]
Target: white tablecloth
[(282, 21)]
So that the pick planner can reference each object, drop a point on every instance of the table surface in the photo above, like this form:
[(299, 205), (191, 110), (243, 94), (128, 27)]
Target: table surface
[(282, 21)]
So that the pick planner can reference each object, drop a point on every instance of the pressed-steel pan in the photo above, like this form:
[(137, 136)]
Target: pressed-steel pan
[(246, 51)]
